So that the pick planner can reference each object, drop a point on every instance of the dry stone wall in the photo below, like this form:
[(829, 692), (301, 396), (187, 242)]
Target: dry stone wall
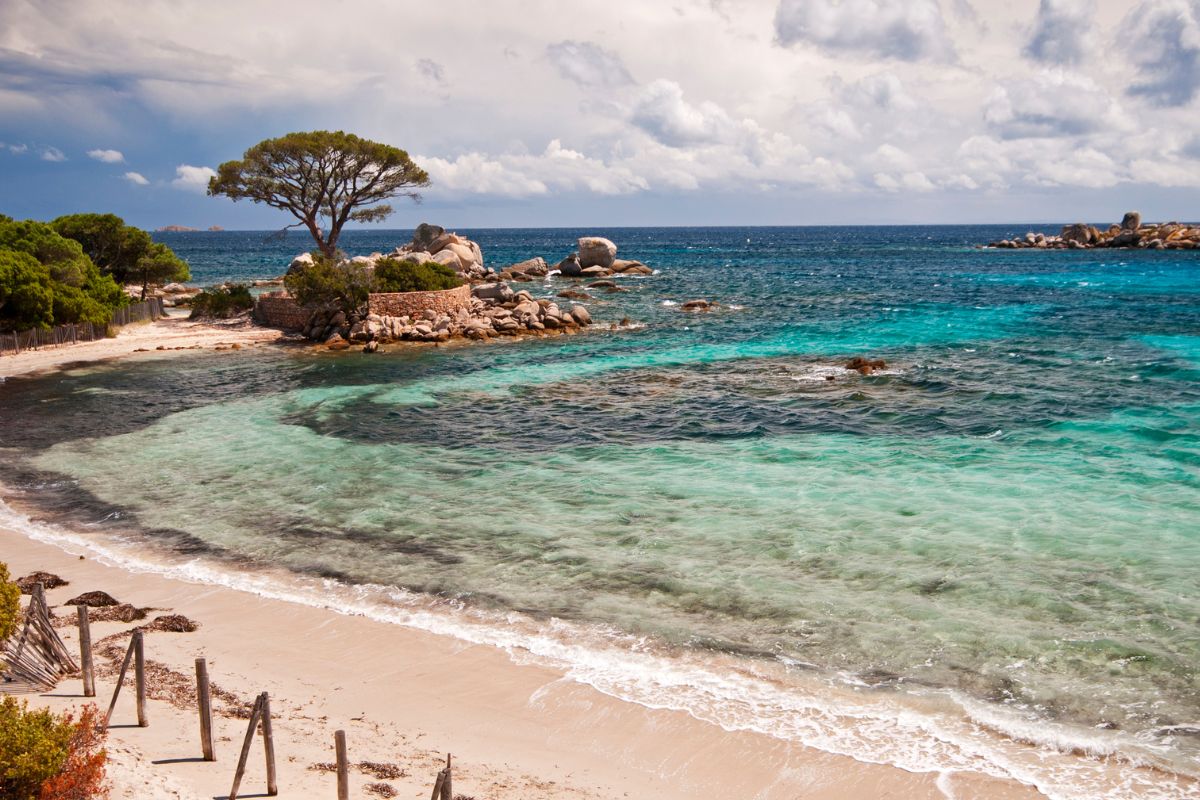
[(410, 304), (278, 310)]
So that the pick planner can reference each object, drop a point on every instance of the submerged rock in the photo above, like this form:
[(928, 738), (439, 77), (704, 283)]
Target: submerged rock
[(865, 366)]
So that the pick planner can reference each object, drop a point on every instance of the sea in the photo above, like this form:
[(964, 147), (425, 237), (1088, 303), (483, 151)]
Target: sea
[(984, 556)]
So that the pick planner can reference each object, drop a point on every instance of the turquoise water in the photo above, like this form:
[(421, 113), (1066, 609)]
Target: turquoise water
[(998, 534)]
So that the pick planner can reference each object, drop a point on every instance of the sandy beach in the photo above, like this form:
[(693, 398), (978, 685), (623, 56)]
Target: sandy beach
[(406, 698), (172, 334)]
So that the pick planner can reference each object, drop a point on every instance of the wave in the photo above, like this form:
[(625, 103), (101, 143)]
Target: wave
[(925, 732)]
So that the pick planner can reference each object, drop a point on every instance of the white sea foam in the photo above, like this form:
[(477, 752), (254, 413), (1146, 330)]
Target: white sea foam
[(937, 732)]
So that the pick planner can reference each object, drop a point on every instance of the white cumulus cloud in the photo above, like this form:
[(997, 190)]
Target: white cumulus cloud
[(136, 178), (1062, 32), (193, 179), (107, 156), (909, 30), (1050, 104), (53, 154), (1163, 38)]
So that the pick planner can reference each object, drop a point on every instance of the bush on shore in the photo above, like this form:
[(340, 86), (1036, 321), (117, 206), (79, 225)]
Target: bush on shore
[(222, 302), (395, 275), (48, 756), (336, 282), (10, 604)]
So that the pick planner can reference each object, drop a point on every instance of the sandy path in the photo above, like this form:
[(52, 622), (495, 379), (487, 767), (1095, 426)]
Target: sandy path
[(406, 697), (174, 334)]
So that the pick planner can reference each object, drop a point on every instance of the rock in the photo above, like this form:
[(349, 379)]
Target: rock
[(865, 366), (698, 305), (93, 600), (595, 251), (424, 236), (595, 272), (449, 258), (621, 264), (1078, 233), (358, 332), (371, 347), (465, 255), (1125, 239), (1131, 221), (639, 269), (300, 262), (574, 294), (601, 285), (336, 342), (533, 266), (570, 266), (493, 291), (581, 315)]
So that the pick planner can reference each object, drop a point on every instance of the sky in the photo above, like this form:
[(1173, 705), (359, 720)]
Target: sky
[(550, 113)]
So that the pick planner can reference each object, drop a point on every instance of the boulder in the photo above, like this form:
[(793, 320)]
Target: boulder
[(595, 271), (1077, 233), (698, 305), (865, 366), (574, 294), (336, 342), (570, 266), (533, 266), (370, 347), (424, 236), (464, 253), (1131, 221), (449, 258), (300, 262), (493, 291), (595, 251), (581, 315)]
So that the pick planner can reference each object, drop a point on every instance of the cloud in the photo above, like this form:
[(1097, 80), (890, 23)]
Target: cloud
[(1062, 31), (660, 110), (556, 169), (908, 30), (1051, 104), (432, 70), (192, 179), (136, 178), (53, 154), (1163, 38), (18, 149), (107, 156), (588, 64)]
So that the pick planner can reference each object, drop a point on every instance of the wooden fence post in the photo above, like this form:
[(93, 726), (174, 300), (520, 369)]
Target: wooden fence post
[(120, 680), (255, 714), (269, 745), (204, 700), (343, 766), (447, 785), (85, 652), (139, 676)]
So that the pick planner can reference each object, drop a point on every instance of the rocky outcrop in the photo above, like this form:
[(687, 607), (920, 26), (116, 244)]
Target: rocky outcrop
[(596, 251), (1131, 233), (865, 366), (698, 305), (494, 310)]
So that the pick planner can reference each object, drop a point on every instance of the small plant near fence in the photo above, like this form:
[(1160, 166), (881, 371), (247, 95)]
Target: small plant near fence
[(222, 302)]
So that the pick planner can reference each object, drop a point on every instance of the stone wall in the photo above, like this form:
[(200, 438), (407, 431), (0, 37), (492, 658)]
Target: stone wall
[(409, 304), (277, 310)]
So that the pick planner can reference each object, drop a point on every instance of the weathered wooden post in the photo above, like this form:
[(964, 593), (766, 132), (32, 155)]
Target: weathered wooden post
[(269, 745), (139, 676), (448, 784), (85, 653), (343, 765), (204, 701), (438, 784), (120, 681), (255, 714)]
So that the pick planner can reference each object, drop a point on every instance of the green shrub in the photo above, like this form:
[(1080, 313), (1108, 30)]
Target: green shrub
[(126, 253), (222, 302), (395, 275), (329, 282), (48, 756), (10, 604)]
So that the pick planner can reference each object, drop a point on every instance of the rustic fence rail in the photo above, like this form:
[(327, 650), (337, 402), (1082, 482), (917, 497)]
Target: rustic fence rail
[(37, 338)]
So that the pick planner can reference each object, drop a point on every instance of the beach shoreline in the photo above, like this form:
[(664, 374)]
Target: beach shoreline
[(165, 337), (407, 696)]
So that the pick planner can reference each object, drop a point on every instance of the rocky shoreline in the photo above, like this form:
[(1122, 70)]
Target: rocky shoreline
[(1129, 234)]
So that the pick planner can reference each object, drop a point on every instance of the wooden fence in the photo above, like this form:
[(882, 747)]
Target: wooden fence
[(37, 338)]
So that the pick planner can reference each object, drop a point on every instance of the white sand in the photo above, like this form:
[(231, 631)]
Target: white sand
[(174, 334), (407, 697)]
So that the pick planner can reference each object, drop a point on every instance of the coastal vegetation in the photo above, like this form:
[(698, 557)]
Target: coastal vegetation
[(328, 176), (222, 302), (126, 253), (71, 270), (332, 280), (48, 756), (10, 603), (397, 275)]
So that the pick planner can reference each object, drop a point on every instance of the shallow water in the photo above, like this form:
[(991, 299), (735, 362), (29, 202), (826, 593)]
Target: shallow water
[(980, 558)]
